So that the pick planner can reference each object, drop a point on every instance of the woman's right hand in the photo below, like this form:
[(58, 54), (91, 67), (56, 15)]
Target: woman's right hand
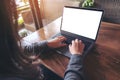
[(76, 47)]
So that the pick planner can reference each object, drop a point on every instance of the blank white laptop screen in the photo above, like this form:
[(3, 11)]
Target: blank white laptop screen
[(82, 22)]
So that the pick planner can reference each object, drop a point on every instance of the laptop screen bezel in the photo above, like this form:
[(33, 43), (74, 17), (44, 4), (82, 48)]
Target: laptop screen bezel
[(75, 35)]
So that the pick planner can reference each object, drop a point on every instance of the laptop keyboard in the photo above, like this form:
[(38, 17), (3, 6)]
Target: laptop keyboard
[(63, 50), (87, 44), (69, 39)]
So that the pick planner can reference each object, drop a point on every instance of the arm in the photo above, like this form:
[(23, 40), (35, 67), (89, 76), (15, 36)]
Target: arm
[(75, 67), (10, 78), (36, 48), (43, 46)]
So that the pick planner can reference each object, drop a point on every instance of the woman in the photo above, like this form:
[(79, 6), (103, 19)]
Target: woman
[(16, 66)]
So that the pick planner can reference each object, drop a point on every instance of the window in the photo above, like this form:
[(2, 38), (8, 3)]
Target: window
[(29, 16)]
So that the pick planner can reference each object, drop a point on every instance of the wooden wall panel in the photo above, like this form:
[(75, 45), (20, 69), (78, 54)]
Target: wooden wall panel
[(52, 9)]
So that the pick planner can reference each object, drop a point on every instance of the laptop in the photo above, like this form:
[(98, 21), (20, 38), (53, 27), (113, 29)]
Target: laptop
[(80, 23)]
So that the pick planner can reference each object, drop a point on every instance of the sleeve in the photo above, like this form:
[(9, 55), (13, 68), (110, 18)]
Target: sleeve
[(36, 48), (75, 68), (11, 78)]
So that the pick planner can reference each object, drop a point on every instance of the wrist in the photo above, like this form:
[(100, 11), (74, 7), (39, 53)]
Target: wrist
[(77, 53), (48, 43), (76, 58)]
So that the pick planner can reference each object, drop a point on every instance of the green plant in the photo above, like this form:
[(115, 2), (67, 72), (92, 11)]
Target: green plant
[(20, 21), (23, 33), (76, 0), (88, 3)]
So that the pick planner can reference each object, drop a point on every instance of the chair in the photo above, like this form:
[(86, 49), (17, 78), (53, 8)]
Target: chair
[(111, 8)]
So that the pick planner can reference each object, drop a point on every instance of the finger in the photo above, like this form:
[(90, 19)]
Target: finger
[(83, 45), (70, 46), (80, 42), (63, 44), (76, 42), (73, 42), (61, 38)]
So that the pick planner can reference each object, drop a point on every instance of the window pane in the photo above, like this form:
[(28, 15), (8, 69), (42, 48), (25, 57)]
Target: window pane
[(26, 24)]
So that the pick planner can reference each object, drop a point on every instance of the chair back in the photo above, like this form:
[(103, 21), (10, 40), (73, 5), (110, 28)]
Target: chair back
[(111, 10)]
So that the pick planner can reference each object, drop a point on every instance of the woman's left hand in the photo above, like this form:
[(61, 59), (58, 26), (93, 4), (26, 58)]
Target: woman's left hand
[(57, 42)]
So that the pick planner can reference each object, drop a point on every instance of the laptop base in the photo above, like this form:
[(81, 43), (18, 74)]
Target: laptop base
[(65, 50)]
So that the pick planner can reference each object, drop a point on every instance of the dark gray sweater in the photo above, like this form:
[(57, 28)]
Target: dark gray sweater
[(74, 70)]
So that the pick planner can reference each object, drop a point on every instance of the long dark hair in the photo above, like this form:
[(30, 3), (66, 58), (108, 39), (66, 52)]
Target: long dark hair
[(13, 62)]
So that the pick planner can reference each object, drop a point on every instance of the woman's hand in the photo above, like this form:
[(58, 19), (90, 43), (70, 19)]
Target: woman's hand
[(76, 47), (57, 42)]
